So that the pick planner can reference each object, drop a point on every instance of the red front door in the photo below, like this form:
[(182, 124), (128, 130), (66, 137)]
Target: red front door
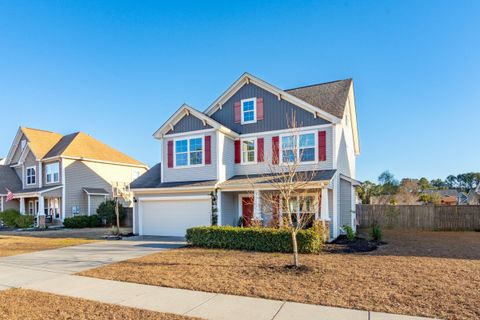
[(247, 210)]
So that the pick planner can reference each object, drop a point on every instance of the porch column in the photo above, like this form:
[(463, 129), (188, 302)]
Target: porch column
[(88, 203), (257, 205), (41, 206), (1, 203), (324, 205), (22, 205), (219, 208)]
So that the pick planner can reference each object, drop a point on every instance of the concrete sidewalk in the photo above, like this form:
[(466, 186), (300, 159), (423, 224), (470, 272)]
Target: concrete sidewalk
[(37, 272)]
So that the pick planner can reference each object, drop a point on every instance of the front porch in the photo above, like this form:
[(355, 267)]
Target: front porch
[(46, 204)]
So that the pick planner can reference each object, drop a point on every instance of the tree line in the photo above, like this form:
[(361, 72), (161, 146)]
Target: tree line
[(409, 189)]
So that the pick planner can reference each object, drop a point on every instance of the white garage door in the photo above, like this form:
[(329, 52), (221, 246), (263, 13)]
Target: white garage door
[(173, 217)]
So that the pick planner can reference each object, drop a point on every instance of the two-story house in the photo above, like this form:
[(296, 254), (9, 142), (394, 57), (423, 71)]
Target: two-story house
[(61, 176), (216, 160)]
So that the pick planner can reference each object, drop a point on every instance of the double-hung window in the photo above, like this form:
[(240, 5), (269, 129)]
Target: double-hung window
[(53, 172), (303, 207), (249, 150), (249, 111), (31, 175), (189, 152), (298, 147)]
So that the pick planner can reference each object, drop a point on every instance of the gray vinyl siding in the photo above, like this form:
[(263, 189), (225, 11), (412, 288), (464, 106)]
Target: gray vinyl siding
[(262, 167), (14, 204), (19, 172), (345, 203), (275, 112), (229, 157), (188, 123), (77, 177), (30, 162), (18, 151), (229, 208), (330, 211), (95, 201), (198, 173)]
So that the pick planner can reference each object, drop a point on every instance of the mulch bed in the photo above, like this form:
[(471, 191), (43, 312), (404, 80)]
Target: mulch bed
[(422, 274), (22, 304), (343, 245)]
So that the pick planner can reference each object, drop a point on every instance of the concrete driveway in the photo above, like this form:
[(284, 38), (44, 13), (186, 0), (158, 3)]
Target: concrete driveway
[(70, 260)]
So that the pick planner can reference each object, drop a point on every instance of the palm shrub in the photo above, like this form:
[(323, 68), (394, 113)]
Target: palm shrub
[(106, 212), (349, 232), (376, 234)]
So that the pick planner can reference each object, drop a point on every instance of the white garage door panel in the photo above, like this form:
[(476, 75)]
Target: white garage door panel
[(173, 218)]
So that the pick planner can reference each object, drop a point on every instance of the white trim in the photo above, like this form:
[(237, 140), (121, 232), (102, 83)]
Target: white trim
[(40, 174), (1, 203), (175, 166), (278, 132), (182, 134), (99, 161), (219, 208), (88, 203), (14, 146), (140, 213), (297, 148), (134, 218), (173, 189), (254, 110), (173, 198), (34, 193), (255, 151), (62, 168), (34, 175), (24, 154), (248, 78)]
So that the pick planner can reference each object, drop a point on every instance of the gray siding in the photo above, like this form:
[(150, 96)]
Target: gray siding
[(18, 151), (199, 173), (188, 123), (345, 203), (14, 204), (95, 201), (229, 157), (262, 167), (330, 210), (229, 208), (78, 176), (275, 112)]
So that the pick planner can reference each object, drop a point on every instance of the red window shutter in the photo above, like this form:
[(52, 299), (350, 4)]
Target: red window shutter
[(237, 110), (237, 151), (322, 146), (208, 151), (260, 150), (170, 154), (259, 108), (275, 150)]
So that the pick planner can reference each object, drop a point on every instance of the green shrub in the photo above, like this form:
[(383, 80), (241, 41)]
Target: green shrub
[(254, 239), (349, 232), (106, 212), (77, 222), (25, 221), (376, 233), (9, 217)]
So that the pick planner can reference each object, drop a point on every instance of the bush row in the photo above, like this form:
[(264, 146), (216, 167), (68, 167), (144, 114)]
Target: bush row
[(76, 222), (254, 239), (13, 219)]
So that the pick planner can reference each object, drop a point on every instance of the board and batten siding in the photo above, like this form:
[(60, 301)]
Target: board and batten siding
[(196, 173), (187, 124), (345, 217), (275, 112), (262, 167), (88, 174)]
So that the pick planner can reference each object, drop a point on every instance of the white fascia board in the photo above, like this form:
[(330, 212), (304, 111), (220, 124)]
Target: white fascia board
[(248, 78), (171, 190), (24, 154), (175, 198), (14, 146), (122, 164), (353, 119)]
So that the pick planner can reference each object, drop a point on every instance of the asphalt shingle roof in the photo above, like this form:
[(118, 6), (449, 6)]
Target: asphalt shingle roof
[(9, 179), (321, 175), (330, 97)]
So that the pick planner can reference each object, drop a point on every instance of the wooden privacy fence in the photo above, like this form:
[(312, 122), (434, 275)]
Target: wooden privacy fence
[(427, 217)]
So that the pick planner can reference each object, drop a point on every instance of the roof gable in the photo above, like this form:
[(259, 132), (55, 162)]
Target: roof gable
[(41, 141), (247, 78)]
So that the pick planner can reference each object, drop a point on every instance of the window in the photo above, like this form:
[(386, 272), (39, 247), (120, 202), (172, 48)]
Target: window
[(249, 111), (75, 210), (299, 147), (303, 206), (189, 152), (52, 172), (31, 177), (30, 208), (23, 144), (249, 151)]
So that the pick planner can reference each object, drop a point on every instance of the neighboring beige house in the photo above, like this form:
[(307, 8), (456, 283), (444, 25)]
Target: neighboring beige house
[(473, 197), (62, 176)]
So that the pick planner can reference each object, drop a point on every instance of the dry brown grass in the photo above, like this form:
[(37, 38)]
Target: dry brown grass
[(22, 304), (13, 245), (417, 273)]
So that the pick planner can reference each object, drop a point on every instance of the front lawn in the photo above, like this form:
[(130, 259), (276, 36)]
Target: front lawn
[(34, 305), (434, 274), (13, 245)]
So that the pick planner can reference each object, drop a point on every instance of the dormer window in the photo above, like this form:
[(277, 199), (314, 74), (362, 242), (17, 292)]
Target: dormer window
[(249, 110)]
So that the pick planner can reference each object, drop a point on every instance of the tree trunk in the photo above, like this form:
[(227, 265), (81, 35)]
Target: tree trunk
[(295, 249), (117, 213)]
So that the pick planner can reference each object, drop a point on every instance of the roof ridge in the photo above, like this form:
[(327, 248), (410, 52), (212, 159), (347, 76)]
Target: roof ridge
[(29, 128), (318, 84)]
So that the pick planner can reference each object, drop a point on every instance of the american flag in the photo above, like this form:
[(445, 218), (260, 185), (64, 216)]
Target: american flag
[(9, 195)]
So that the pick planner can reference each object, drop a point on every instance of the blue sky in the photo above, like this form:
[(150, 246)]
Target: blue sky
[(118, 69)]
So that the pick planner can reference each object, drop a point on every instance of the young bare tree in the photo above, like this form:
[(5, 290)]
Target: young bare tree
[(293, 192)]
